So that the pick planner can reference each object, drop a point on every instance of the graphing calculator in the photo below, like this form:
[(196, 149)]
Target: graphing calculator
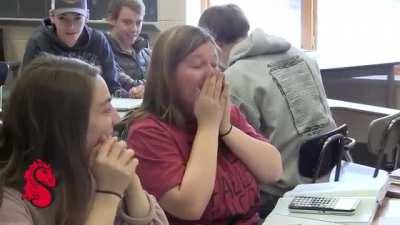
[(324, 205)]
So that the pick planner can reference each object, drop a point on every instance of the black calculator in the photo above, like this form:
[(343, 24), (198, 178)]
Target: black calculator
[(324, 205)]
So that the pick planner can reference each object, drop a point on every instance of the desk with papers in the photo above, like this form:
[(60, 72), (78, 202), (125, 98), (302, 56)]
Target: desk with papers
[(124, 105), (389, 212), (374, 208)]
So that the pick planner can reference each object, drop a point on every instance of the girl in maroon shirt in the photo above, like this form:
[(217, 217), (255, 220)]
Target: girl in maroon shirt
[(198, 155)]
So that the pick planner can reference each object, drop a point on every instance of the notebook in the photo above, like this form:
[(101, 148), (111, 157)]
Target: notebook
[(357, 183), (125, 104)]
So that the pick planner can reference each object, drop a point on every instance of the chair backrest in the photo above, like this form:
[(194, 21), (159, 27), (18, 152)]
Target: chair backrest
[(2, 51), (4, 70), (384, 137), (321, 153)]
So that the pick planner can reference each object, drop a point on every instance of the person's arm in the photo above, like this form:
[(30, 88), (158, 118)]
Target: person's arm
[(140, 207), (113, 167), (262, 158), (126, 81), (164, 161), (189, 200), (155, 216), (104, 209), (136, 200)]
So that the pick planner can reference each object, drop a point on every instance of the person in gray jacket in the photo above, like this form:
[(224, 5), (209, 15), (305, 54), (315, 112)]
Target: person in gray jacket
[(275, 85), (131, 51)]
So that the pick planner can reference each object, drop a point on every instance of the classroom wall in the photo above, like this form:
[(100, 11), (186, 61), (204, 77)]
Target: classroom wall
[(16, 35)]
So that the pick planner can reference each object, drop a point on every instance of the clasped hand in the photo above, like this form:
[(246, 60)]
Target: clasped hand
[(113, 165), (212, 105)]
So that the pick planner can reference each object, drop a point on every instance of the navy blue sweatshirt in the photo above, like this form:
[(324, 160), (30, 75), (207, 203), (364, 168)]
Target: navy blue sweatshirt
[(92, 47)]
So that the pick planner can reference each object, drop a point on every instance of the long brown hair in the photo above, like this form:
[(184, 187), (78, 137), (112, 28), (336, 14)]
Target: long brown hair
[(47, 118), (160, 96)]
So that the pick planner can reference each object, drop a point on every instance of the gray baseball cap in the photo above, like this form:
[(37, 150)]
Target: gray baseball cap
[(66, 6)]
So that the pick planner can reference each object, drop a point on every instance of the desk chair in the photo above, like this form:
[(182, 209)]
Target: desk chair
[(121, 129), (4, 70), (384, 139), (320, 154)]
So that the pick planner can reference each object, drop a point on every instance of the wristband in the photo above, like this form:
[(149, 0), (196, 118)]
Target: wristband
[(109, 192), (226, 133)]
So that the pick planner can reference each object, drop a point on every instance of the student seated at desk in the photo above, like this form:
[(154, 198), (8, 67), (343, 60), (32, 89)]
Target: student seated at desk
[(198, 155), (276, 86), (59, 164), (65, 33), (131, 51)]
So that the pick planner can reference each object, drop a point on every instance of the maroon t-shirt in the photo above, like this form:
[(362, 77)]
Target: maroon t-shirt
[(163, 151)]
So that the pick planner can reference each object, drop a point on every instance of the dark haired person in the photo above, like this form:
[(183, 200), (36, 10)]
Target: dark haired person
[(60, 113), (131, 51), (276, 86), (65, 33), (198, 155)]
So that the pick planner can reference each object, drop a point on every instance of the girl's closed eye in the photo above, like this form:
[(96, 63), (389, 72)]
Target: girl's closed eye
[(196, 65)]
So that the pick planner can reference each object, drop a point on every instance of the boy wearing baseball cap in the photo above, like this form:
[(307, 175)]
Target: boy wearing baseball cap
[(65, 33)]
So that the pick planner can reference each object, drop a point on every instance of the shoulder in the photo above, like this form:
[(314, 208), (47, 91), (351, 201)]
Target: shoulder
[(108, 37), (112, 42), (249, 67), (151, 131), (96, 36), (39, 32), (39, 35), (245, 77), (151, 127), (12, 195), (149, 121), (13, 209)]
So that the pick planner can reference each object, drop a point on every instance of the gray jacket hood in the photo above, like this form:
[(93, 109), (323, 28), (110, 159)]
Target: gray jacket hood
[(258, 43)]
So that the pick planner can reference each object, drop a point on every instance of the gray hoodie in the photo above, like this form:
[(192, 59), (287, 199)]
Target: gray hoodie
[(280, 91)]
